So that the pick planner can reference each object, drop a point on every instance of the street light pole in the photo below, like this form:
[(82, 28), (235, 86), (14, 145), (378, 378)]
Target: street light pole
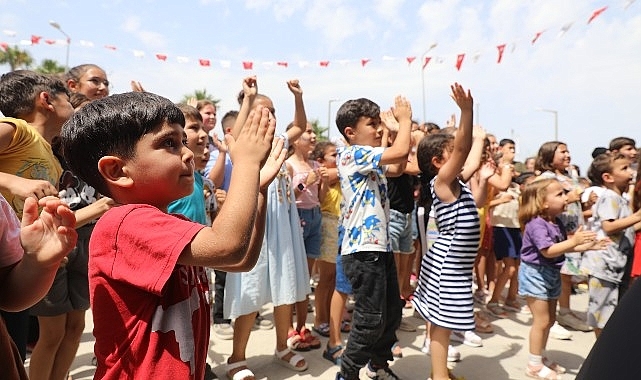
[(329, 115), (57, 26), (556, 121), (423, 76)]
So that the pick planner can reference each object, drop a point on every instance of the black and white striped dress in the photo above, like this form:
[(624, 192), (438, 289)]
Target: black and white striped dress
[(444, 292)]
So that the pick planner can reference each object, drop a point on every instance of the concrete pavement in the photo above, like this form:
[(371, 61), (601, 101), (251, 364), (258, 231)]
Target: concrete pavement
[(503, 356)]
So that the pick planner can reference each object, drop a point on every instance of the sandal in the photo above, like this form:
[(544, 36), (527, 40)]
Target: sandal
[(482, 325), (397, 352), (322, 329), (346, 326), (554, 366), (513, 306), (296, 342), (293, 361), (243, 374), (310, 339), (333, 354), (543, 373), (496, 310)]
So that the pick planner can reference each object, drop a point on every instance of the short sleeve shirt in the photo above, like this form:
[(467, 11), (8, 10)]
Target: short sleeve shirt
[(365, 206), (540, 234), (11, 251)]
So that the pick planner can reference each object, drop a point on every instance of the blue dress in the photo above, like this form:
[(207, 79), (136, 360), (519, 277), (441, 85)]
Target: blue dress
[(444, 292), (280, 275)]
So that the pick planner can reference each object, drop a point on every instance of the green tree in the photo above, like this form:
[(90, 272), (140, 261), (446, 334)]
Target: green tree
[(50, 66), (15, 58), (320, 132), (199, 95)]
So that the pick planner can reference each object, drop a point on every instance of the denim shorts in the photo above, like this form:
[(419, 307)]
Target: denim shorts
[(539, 281), (400, 232), (310, 220), (342, 282)]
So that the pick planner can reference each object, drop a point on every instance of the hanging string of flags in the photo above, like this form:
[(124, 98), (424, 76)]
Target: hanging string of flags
[(249, 65)]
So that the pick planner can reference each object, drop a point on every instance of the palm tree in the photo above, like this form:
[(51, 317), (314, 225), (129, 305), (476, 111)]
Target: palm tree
[(320, 132), (199, 95), (16, 58), (50, 66)]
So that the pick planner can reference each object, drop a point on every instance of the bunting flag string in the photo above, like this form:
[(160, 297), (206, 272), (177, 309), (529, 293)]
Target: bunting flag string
[(205, 62)]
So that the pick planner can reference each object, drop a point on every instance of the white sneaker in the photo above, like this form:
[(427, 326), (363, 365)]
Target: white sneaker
[(452, 353), (558, 332), (571, 321), (223, 331), (468, 338)]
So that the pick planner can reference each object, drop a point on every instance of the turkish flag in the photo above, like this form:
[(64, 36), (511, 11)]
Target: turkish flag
[(365, 62), (324, 63), (161, 57), (501, 49), (410, 60), (459, 61), (204, 62), (35, 39), (248, 65), (283, 64)]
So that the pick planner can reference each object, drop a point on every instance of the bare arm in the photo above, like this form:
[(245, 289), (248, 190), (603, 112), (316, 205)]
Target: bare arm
[(396, 154), (93, 211), (617, 225), (579, 242), (217, 172), (300, 117), (250, 89), (473, 162)]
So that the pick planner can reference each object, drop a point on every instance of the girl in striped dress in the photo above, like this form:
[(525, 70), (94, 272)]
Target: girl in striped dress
[(444, 293)]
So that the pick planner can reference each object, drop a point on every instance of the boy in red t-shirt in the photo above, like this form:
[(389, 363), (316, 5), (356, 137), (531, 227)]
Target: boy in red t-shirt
[(146, 277)]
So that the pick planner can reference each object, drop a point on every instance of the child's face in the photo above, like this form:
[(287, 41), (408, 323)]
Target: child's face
[(508, 151), (93, 84), (162, 169), (329, 157), (621, 175), (630, 152), (555, 199), (367, 131), (561, 158), (208, 112), (197, 142), (307, 140)]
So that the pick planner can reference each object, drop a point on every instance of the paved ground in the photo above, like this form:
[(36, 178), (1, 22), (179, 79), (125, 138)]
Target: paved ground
[(503, 355)]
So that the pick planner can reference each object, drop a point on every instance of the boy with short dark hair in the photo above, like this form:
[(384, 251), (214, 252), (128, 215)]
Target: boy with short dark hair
[(147, 282), (612, 218), (366, 252)]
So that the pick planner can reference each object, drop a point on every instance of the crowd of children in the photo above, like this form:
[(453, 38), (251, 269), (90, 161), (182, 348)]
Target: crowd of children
[(143, 207)]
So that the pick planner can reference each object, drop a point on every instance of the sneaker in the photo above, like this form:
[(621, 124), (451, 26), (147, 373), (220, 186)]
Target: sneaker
[(558, 332), (223, 331), (406, 326), (380, 373), (262, 323), (468, 338), (452, 353), (571, 321)]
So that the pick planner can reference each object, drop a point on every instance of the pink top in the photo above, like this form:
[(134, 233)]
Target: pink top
[(9, 235), (308, 198)]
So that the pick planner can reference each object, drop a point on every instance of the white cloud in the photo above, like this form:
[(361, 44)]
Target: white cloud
[(149, 39)]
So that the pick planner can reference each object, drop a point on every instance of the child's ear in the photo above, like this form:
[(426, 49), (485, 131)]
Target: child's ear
[(349, 132), (436, 162), (72, 85), (43, 101), (114, 171), (607, 178)]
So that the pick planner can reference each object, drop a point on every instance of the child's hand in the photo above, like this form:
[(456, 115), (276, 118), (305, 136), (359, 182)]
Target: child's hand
[(273, 164), (254, 142), (220, 195), (402, 109), (582, 236), (388, 119), (192, 101), (294, 87), (35, 188), (250, 87), (49, 237), (137, 86), (219, 144), (462, 98), (487, 170), (451, 122), (478, 132), (324, 174)]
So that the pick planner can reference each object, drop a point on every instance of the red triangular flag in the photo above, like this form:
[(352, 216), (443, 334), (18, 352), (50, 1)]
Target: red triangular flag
[(4, 45), (364, 62), (110, 47), (204, 62), (536, 37), (50, 42), (410, 60), (248, 65), (161, 57), (283, 64), (35, 39), (596, 13), (426, 61), (501, 49), (324, 63), (459, 61)]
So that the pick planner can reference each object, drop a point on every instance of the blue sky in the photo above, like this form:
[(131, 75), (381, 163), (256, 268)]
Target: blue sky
[(590, 75)]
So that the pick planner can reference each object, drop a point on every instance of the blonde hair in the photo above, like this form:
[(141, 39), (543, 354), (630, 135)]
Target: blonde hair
[(533, 200)]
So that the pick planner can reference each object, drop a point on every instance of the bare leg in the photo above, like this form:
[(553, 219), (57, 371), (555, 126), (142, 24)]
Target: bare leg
[(283, 323), (439, 343), (52, 332), (67, 351), (242, 329), (324, 290), (566, 290), (335, 318), (543, 316)]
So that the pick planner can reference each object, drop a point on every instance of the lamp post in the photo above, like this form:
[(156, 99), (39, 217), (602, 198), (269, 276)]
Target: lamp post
[(57, 26), (329, 115), (423, 76), (556, 121)]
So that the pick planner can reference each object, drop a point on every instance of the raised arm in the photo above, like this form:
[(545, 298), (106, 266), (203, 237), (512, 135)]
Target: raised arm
[(396, 154), (250, 90), (300, 117)]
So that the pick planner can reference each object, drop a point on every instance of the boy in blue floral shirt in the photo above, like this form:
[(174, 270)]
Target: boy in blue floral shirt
[(367, 257)]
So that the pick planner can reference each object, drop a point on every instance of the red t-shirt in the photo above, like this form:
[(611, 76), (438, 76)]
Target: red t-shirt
[(151, 317)]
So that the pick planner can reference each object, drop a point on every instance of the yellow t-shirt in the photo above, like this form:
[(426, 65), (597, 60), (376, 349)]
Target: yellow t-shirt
[(29, 156), (332, 201)]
